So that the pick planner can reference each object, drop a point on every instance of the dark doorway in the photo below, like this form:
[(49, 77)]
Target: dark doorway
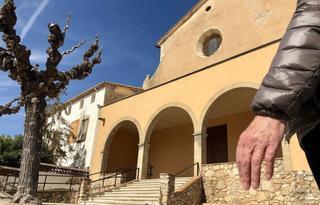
[(217, 144)]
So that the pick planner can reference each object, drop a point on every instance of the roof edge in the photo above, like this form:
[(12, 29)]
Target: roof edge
[(97, 87), (185, 18)]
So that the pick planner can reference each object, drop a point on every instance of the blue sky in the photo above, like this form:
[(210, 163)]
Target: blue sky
[(128, 30)]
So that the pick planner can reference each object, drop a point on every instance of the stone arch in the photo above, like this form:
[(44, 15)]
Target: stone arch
[(159, 113), (169, 141), (125, 121), (218, 96), (224, 118)]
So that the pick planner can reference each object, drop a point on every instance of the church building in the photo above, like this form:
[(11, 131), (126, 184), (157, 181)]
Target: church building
[(187, 119)]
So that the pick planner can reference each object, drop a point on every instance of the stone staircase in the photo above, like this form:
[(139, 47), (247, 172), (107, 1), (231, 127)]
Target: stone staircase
[(144, 192)]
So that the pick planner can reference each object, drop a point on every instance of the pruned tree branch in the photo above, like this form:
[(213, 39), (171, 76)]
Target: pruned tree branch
[(9, 109), (8, 18), (78, 72), (75, 47), (56, 40), (17, 56), (82, 70), (67, 25)]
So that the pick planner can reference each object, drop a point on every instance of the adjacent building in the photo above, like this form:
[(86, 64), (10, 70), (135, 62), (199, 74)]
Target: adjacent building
[(82, 115)]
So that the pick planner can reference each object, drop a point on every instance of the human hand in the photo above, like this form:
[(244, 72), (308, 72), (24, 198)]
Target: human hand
[(258, 142)]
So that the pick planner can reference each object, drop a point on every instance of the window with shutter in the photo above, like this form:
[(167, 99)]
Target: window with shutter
[(83, 130), (74, 129), (93, 97)]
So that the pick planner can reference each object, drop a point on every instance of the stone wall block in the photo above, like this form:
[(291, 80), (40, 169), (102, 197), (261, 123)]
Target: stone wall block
[(222, 186), (84, 190), (166, 189)]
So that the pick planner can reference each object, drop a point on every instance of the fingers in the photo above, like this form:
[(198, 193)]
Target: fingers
[(269, 159), (244, 153), (256, 161), (257, 143)]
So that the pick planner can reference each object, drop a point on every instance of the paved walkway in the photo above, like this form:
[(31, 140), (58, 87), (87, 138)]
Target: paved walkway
[(4, 198)]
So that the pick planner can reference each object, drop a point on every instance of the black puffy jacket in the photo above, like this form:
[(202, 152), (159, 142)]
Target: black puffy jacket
[(290, 91)]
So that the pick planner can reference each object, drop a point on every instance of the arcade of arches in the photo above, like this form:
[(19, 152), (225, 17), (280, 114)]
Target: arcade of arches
[(171, 142)]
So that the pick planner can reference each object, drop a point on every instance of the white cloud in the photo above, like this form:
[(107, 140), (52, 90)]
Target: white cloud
[(38, 56), (6, 83), (33, 18)]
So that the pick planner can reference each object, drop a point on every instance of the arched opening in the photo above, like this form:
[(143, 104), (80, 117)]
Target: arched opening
[(170, 136), (227, 117), (121, 150)]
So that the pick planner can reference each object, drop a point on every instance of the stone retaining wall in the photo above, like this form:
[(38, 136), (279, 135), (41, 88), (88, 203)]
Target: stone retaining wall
[(191, 194), (59, 196), (221, 183)]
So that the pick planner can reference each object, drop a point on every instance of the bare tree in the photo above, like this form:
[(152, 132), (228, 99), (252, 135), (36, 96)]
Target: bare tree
[(37, 85)]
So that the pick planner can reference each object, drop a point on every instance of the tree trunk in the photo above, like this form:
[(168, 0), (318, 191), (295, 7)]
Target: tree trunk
[(30, 159)]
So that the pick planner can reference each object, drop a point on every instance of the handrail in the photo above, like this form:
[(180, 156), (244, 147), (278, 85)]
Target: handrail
[(4, 170), (115, 175), (149, 171), (70, 183), (10, 185), (104, 177), (185, 169), (122, 170)]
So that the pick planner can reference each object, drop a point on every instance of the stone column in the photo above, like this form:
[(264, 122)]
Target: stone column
[(142, 163), (286, 155), (84, 190), (166, 189), (200, 149)]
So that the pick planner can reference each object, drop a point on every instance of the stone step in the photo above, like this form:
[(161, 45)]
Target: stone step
[(123, 202), (125, 198), (137, 184), (151, 184), (144, 192), (144, 185), (135, 192), (47, 203), (136, 188), (129, 194)]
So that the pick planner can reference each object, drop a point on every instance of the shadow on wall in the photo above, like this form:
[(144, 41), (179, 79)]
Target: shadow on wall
[(79, 158)]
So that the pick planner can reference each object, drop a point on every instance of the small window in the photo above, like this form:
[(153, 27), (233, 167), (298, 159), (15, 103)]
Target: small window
[(208, 8), (209, 43), (93, 97), (81, 103), (67, 111), (83, 130)]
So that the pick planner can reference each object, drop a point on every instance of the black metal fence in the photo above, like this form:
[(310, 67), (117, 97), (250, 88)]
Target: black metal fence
[(51, 177)]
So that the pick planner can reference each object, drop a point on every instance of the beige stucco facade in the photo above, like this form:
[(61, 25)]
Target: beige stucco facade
[(190, 93)]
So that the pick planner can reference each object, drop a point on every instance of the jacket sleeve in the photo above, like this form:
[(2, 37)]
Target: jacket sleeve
[(294, 74)]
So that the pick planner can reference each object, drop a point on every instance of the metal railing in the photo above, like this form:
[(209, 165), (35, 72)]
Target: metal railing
[(189, 167), (72, 183), (121, 173), (64, 178), (150, 171)]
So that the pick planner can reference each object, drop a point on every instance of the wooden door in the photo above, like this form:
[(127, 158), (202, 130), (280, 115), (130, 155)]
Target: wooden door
[(217, 144)]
